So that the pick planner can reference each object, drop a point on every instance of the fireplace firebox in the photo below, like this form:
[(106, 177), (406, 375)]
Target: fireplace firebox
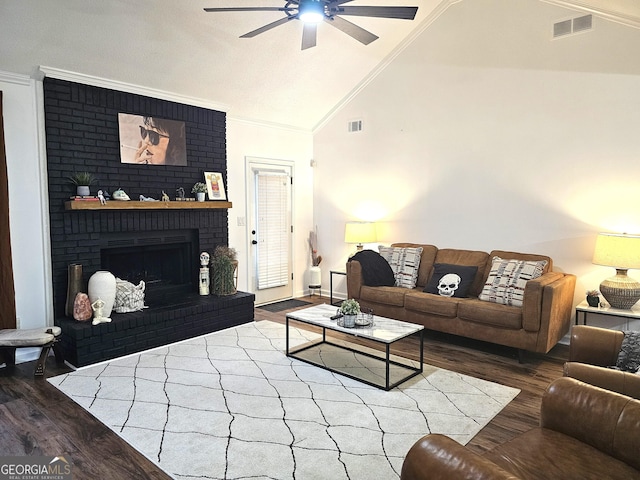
[(164, 260)]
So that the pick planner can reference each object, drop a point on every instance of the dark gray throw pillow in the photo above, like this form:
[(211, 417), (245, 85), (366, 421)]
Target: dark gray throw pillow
[(376, 271), (629, 356), (450, 280)]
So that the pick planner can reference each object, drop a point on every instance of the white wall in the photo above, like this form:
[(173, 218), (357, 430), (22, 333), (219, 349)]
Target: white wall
[(247, 139), (28, 214), (485, 134)]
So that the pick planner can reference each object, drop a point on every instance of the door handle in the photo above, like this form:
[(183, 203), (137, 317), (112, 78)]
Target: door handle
[(254, 242)]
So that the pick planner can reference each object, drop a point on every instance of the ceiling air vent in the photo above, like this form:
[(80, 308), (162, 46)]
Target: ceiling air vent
[(573, 25), (355, 125)]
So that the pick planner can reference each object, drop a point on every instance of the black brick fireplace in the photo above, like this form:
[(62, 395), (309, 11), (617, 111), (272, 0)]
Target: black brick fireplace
[(82, 135)]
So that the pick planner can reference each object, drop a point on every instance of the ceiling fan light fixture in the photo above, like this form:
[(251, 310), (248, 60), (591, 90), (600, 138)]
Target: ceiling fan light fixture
[(311, 11)]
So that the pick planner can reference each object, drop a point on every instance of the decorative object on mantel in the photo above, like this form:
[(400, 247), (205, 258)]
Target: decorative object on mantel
[(98, 313), (350, 309), (224, 271), (593, 298), (121, 195), (82, 307), (102, 284), (180, 194), (103, 201), (215, 185), (622, 252), (199, 189), (82, 181), (204, 274), (74, 285), (147, 199), (165, 197)]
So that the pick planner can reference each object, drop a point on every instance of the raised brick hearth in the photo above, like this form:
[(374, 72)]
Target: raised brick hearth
[(82, 135), (128, 333)]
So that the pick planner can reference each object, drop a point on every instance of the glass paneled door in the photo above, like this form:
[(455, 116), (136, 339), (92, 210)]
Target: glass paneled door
[(270, 229)]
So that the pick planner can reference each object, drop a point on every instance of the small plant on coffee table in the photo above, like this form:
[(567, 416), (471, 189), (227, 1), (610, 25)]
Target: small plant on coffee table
[(350, 307)]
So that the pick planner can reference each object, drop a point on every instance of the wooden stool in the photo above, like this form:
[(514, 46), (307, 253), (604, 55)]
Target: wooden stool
[(45, 337)]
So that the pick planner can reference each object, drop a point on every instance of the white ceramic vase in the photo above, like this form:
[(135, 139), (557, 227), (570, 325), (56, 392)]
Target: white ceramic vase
[(102, 285), (200, 196), (315, 277)]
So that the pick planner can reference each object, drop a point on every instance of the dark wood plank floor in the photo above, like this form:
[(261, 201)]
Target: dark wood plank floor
[(36, 419)]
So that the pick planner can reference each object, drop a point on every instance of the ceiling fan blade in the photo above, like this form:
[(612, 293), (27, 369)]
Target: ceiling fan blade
[(403, 13), (263, 29), (351, 29), (251, 9), (309, 34)]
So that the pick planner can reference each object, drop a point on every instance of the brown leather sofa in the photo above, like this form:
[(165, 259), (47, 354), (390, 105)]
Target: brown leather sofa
[(537, 326), (585, 432), (591, 350)]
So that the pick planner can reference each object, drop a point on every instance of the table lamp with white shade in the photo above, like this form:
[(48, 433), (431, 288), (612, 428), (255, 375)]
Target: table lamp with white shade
[(622, 252), (359, 233)]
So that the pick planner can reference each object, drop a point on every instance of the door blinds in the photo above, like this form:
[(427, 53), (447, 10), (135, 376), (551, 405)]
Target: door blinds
[(272, 196)]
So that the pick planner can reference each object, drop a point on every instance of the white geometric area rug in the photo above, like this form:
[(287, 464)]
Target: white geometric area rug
[(231, 405)]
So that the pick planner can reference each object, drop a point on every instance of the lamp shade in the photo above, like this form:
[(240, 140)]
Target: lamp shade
[(617, 250), (360, 232)]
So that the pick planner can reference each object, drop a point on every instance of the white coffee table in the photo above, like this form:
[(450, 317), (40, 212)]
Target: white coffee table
[(356, 361)]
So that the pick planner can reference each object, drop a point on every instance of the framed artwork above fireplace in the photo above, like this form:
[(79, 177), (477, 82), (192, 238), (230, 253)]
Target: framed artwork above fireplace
[(146, 140)]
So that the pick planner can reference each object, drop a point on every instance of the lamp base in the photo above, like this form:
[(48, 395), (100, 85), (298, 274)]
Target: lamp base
[(620, 291)]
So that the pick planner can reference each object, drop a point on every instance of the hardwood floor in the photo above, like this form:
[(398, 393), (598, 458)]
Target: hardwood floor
[(36, 419)]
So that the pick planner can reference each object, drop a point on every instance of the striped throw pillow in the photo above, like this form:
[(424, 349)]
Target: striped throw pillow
[(404, 262)]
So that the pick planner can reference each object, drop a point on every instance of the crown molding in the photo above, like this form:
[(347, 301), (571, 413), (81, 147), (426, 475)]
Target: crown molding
[(15, 78), (127, 87), (266, 124)]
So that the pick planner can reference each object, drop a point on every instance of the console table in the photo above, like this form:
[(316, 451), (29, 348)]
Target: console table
[(584, 309)]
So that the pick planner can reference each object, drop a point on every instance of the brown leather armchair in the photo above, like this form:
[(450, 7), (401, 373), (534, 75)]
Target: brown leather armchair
[(591, 350), (585, 432)]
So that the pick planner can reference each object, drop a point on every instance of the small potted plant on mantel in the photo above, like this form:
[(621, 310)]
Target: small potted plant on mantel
[(350, 309), (82, 181), (199, 189)]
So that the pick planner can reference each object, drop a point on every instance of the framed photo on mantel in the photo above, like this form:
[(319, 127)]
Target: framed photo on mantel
[(215, 186)]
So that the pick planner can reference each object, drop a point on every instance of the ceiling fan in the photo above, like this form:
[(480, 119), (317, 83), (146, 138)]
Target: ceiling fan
[(312, 12)]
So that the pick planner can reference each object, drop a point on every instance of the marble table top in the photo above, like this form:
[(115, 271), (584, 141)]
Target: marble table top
[(384, 330)]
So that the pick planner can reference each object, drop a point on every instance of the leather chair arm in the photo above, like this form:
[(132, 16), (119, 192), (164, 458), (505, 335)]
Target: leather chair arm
[(437, 457), (625, 383), (593, 345), (601, 418)]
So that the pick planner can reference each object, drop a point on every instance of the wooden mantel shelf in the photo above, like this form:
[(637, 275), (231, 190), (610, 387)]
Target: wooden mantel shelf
[(136, 205)]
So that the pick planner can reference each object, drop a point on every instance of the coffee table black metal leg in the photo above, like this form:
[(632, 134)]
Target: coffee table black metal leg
[(287, 337), (387, 368)]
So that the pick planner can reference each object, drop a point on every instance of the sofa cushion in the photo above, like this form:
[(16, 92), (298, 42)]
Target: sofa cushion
[(404, 262), (431, 304), (387, 295), (489, 313), (507, 279), (450, 280)]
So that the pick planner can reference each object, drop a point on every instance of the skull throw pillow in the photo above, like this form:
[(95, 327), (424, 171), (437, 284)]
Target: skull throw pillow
[(450, 280)]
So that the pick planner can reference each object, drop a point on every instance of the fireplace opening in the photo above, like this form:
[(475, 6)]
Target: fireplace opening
[(163, 260)]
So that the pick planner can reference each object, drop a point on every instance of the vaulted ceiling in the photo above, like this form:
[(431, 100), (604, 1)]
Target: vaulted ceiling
[(174, 46)]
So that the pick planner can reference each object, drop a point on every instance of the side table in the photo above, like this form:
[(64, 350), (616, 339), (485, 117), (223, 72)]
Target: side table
[(331, 274), (585, 309)]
